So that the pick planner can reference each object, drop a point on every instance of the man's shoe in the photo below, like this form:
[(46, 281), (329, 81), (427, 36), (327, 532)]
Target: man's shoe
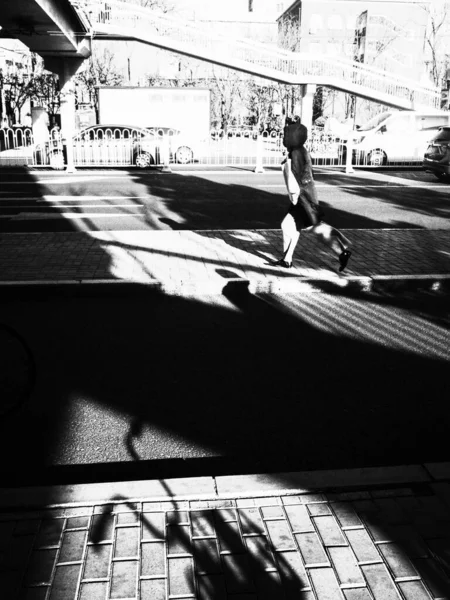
[(281, 263), (285, 264), (343, 259)]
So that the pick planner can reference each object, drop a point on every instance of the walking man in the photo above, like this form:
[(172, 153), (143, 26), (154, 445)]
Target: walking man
[(304, 212)]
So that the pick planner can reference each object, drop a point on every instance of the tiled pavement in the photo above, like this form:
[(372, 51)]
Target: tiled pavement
[(188, 261), (377, 543)]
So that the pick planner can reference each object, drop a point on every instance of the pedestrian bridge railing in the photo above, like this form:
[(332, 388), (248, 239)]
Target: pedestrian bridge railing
[(119, 147), (128, 20)]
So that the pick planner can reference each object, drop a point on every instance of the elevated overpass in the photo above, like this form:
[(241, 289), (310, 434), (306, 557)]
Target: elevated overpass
[(127, 20), (51, 28)]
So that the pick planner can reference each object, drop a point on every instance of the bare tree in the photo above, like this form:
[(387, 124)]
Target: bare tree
[(437, 45), (100, 69), (16, 86), (289, 34), (17, 89), (164, 6), (261, 99), (227, 92), (46, 93)]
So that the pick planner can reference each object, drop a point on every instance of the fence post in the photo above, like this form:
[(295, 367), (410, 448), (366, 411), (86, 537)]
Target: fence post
[(349, 156), (259, 164), (166, 155)]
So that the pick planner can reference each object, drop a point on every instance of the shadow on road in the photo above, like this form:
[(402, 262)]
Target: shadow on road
[(175, 367)]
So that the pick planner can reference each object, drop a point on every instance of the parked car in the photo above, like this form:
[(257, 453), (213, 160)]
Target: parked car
[(123, 144), (119, 145), (182, 148), (437, 156), (396, 136)]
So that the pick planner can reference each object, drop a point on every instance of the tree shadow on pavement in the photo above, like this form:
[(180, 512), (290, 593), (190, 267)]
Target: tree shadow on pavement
[(226, 549)]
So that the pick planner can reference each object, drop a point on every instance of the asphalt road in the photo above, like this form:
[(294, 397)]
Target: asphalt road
[(141, 385), (104, 386), (227, 199)]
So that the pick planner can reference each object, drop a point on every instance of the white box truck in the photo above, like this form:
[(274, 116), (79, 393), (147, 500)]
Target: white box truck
[(184, 109)]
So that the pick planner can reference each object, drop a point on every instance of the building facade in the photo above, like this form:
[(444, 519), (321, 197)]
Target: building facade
[(15, 64), (388, 34)]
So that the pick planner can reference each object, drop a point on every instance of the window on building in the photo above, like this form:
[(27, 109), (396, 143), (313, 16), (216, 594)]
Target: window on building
[(315, 24), (349, 49), (351, 22), (335, 22), (334, 49), (315, 48)]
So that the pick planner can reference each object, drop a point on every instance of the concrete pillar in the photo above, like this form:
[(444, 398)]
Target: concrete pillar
[(308, 91), (66, 68), (67, 88)]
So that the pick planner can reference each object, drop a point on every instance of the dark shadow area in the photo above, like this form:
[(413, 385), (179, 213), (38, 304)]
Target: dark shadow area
[(18, 371), (287, 395), (192, 202), (205, 204)]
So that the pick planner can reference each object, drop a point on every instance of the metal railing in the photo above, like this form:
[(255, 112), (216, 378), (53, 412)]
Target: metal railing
[(129, 20), (111, 147)]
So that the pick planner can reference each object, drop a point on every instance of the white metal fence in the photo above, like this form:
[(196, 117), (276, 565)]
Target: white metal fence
[(103, 146)]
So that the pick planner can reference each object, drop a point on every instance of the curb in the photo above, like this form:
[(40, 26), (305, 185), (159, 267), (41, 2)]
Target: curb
[(375, 283), (223, 487)]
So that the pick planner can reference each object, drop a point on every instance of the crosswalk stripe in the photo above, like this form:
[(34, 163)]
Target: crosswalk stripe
[(51, 198), (66, 215)]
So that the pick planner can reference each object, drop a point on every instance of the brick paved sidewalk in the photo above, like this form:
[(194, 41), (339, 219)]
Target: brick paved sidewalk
[(206, 260), (381, 543)]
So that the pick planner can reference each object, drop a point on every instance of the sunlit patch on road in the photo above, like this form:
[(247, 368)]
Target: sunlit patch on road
[(367, 321)]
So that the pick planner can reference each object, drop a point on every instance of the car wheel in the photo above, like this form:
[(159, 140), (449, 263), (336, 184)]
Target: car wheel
[(442, 176), (143, 160), (184, 155), (57, 161), (376, 158)]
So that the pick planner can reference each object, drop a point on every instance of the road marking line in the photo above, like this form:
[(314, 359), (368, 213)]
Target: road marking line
[(50, 198), (66, 179), (88, 206), (64, 215)]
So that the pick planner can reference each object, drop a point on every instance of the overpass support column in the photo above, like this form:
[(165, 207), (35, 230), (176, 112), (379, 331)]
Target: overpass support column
[(308, 90), (66, 69)]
